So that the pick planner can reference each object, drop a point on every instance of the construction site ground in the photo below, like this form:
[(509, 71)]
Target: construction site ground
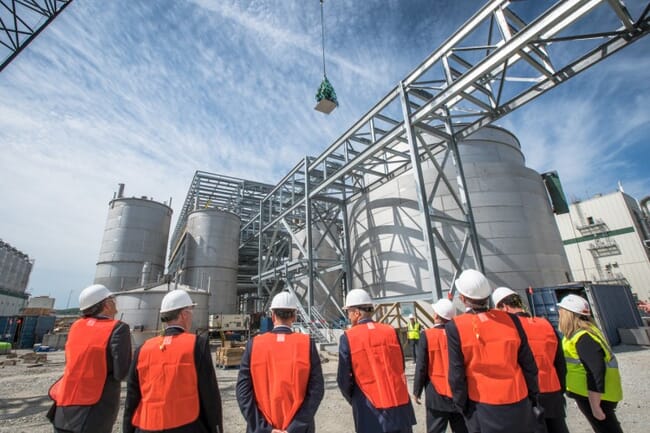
[(24, 401)]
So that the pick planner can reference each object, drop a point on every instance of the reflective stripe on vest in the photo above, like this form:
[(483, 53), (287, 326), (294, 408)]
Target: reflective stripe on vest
[(543, 343), (438, 360), (490, 344), (168, 383), (413, 331), (378, 364), (85, 371), (280, 366), (576, 377)]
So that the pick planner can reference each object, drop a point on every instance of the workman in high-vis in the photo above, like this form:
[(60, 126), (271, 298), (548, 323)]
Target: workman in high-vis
[(432, 372), (98, 355), (371, 371), (280, 383), (492, 372), (413, 335), (593, 379), (172, 386), (546, 346)]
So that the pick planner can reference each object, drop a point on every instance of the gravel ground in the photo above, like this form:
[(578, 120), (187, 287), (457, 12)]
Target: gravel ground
[(24, 401)]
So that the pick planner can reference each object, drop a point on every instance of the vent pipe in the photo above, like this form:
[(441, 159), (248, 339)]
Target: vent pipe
[(120, 190)]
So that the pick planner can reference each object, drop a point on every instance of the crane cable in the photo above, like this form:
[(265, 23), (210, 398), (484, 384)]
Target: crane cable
[(322, 30)]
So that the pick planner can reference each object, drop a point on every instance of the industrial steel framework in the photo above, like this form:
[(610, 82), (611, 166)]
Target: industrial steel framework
[(504, 56), (239, 196), (21, 21)]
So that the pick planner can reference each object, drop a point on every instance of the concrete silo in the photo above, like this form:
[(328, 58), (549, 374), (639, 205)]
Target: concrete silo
[(211, 257), (519, 240), (136, 234)]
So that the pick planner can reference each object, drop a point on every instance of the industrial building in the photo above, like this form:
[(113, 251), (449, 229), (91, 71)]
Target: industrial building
[(607, 240), (15, 268)]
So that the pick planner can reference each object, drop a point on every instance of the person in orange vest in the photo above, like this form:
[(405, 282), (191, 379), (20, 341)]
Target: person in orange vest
[(432, 370), (492, 372), (280, 382), (546, 346), (172, 384), (371, 371), (98, 355)]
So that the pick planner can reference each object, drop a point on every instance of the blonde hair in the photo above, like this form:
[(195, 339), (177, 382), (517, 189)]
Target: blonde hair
[(571, 322)]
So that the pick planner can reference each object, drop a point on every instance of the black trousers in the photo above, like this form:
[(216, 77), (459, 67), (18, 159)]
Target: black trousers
[(437, 421), (609, 425), (414, 348), (552, 425)]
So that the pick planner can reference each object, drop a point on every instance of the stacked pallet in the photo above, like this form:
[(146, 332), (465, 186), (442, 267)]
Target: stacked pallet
[(229, 355)]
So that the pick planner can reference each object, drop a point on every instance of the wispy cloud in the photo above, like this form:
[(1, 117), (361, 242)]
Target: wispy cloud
[(145, 93)]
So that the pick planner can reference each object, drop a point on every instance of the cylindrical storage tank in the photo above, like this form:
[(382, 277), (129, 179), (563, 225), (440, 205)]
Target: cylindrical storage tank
[(140, 309), (324, 256), (211, 257), (519, 239), (136, 232)]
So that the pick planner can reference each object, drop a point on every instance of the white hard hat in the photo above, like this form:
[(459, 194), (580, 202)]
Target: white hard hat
[(284, 301), (500, 293), (576, 304), (92, 295), (357, 298), (411, 316), (444, 308), (175, 300), (473, 284)]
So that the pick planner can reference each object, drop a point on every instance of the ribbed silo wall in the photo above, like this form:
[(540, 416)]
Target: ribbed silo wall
[(15, 269), (136, 232), (211, 257), (324, 256), (519, 240)]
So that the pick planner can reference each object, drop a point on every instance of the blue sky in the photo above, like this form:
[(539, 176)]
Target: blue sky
[(145, 93)]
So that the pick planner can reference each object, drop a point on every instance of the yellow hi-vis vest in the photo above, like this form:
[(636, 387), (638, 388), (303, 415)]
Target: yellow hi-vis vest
[(576, 375), (413, 331)]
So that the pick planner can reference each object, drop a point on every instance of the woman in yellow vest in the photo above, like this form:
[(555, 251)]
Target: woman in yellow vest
[(593, 379)]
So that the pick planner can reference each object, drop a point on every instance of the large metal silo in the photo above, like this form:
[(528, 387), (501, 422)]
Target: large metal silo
[(136, 233), (211, 257), (324, 256), (519, 240)]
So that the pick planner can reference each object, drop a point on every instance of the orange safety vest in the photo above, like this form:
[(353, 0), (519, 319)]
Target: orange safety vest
[(543, 343), (490, 344), (280, 365), (438, 360), (378, 364), (168, 383), (86, 370)]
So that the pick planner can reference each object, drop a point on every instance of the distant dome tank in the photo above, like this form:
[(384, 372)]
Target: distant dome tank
[(136, 233), (519, 239), (140, 309), (211, 257)]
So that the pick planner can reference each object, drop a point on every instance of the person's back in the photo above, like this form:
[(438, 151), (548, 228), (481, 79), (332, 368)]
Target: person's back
[(280, 382), (492, 372), (98, 354), (172, 382), (432, 374), (371, 371)]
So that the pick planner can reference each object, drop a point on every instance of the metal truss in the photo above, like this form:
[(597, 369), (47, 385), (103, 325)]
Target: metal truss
[(504, 56), (239, 196), (21, 21)]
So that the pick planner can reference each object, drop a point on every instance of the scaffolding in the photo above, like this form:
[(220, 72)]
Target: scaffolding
[(504, 56)]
